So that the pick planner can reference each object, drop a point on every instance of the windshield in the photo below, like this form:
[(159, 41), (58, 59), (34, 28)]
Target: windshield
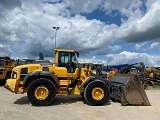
[(75, 59), (1, 62), (68, 59)]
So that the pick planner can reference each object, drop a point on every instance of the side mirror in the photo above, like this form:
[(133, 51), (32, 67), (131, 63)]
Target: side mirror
[(78, 54)]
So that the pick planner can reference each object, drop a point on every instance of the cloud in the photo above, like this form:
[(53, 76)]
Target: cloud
[(83, 6), (127, 57), (142, 24), (26, 28), (9, 4), (154, 45), (32, 28), (144, 28), (140, 45), (125, 7), (5, 51), (92, 60), (115, 47), (72, 35)]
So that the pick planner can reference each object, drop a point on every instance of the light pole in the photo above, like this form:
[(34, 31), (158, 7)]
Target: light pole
[(146, 61), (56, 28)]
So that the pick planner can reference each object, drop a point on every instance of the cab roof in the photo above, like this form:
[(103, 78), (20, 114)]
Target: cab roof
[(66, 50)]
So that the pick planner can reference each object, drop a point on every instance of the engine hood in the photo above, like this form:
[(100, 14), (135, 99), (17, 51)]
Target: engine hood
[(28, 65)]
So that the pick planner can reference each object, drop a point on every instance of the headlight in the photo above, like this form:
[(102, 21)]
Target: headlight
[(14, 75)]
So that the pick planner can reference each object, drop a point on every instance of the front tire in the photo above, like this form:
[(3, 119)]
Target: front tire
[(41, 92), (96, 93)]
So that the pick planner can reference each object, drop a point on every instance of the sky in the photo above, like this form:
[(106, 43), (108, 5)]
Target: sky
[(109, 32)]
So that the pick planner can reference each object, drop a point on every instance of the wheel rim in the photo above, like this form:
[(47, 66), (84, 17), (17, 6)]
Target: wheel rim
[(97, 93), (41, 92)]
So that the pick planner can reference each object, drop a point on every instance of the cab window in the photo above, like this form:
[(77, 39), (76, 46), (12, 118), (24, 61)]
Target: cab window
[(64, 59), (1, 63), (68, 60)]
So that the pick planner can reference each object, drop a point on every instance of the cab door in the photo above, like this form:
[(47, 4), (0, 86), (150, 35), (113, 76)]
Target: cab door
[(67, 65), (73, 68)]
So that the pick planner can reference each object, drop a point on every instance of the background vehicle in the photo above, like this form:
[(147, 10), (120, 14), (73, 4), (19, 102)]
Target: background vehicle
[(136, 68), (6, 65), (153, 75), (108, 68), (43, 82)]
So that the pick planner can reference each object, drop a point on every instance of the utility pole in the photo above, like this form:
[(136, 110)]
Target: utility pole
[(56, 28), (146, 61)]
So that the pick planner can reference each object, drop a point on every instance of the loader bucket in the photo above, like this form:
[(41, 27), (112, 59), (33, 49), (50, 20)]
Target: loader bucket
[(128, 89)]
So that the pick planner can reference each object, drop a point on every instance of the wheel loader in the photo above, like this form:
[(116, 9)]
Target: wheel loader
[(153, 75), (6, 65), (42, 82)]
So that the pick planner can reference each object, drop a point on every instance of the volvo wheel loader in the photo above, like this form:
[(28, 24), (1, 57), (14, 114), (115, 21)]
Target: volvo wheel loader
[(6, 65), (42, 82)]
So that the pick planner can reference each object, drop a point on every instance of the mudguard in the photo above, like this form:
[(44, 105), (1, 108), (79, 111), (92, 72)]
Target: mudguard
[(128, 89), (40, 73)]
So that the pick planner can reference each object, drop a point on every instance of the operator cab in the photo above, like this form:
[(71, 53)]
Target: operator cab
[(6, 62), (68, 59), (1, 62)]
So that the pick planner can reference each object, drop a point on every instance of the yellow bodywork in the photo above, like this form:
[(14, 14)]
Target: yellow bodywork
[(5, 68), (15, 84), (12, 84), (151, 72)]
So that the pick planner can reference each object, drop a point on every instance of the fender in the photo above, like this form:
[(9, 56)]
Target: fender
[(41, 73), (91, 78)]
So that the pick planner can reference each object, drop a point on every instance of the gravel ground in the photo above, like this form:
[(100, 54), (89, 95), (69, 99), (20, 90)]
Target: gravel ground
[(17, 107)]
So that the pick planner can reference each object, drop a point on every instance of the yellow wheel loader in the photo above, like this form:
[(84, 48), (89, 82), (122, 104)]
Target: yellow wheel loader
[(6, 65), (42, 82), (153, 75)]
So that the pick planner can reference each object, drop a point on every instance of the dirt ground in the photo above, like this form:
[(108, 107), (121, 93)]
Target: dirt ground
[(17, 107)]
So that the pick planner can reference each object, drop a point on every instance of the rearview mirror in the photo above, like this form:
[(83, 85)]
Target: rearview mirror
[(78, 54)]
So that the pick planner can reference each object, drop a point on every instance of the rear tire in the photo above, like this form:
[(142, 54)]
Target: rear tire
[(96, 93), (41, 92)]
